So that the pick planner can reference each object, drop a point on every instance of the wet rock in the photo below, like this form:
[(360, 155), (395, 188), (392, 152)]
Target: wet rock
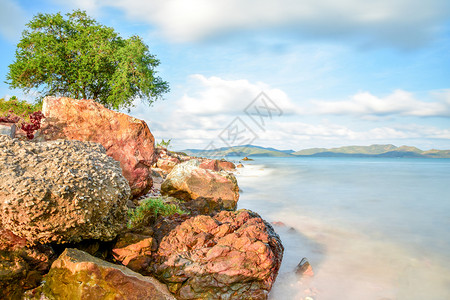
[(204, 190), (240, 166), (126, 139), (61, 191), (233, 255), (78, 275), (21, 268), (304, 269)]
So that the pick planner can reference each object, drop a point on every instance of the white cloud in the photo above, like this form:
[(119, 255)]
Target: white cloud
[(399, 22), (12, 19), (214, 95), (398, 103)]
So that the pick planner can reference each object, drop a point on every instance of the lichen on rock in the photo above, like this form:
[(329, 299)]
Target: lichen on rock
[(61, 191)]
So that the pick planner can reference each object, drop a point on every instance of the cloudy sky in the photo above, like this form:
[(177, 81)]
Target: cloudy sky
[(331, 72)]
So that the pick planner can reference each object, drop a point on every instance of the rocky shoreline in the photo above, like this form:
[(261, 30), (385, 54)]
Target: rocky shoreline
[(67, 196)]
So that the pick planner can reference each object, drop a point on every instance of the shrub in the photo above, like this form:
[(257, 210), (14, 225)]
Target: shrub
[(27, 116), (18, 108), (150, 209), (164, 144)]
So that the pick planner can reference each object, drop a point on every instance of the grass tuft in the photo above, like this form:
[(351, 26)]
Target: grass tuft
[(151, 208)]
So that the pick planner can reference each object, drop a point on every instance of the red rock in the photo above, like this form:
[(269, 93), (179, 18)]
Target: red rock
[(126, 139), (217, 165), (209, 164), (278, 223), (226, 165), (134, 251), (233, 255), (205, 190), (78, 275)]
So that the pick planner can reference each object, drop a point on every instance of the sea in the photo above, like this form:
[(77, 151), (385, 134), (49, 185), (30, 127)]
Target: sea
[(371, 228)]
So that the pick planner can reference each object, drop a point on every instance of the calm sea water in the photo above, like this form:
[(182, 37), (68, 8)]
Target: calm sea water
[(372, 228)]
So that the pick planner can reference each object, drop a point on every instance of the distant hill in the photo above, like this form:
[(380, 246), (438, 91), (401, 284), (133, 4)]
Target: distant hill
[(347, 151), (374, 151), (246, 150)]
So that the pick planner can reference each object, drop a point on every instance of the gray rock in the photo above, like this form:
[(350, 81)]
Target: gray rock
[(8, 129), (61, 191)]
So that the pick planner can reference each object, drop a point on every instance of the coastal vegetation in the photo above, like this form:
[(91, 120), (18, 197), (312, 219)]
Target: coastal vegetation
[(78, 57), (149, 209)]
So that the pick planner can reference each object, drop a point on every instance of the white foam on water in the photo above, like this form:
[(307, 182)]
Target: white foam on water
[(349, 262), (350, 265)]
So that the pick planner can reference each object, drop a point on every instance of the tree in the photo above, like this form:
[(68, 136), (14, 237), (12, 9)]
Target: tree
[(78, 57)]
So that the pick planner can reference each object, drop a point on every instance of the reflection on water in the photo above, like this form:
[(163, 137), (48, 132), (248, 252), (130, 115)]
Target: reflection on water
[(371, 230)]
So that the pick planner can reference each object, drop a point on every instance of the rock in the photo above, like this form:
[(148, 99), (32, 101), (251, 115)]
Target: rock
[(216, 165), (233, 255), (240, 166), (226, 165), (8, 129), (304, 269), (61, 191), (247, 159), (126, 139), (134, 251), (203, 190), (168, 163), (278, 223), (21, 268), (78, 275)]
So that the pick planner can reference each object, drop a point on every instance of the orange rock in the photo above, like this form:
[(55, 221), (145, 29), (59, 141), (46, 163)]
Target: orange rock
[(205, 190), (232, 255), (78, 275), (304, 269), (126, 139)]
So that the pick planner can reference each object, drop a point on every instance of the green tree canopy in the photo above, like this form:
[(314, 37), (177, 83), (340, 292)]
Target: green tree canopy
[(78, 57)]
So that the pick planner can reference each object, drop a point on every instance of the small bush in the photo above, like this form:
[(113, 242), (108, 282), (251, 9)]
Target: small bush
[(151, 208), (20, 108), (27, 116), (165, 144)]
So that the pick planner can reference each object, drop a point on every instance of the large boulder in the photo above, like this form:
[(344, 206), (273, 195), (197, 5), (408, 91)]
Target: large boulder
[(78, 275), (233, 255), (205, 189), (61, 191), (126, 139)]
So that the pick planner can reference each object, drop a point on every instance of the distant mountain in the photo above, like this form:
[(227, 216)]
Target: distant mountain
[(347, 151), (245, 150), (374, 151)]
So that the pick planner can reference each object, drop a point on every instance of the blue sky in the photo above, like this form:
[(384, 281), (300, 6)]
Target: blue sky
[(335, 73)]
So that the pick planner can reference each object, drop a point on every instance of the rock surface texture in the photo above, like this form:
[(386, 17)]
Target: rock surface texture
[(233, 255), (78, 275), (61, 191), (126, 139), (206, 190), (21, 267)]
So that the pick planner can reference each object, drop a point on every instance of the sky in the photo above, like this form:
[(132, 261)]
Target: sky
[(288, 74)]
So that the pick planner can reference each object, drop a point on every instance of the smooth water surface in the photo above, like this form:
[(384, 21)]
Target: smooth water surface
[(372, 228)]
